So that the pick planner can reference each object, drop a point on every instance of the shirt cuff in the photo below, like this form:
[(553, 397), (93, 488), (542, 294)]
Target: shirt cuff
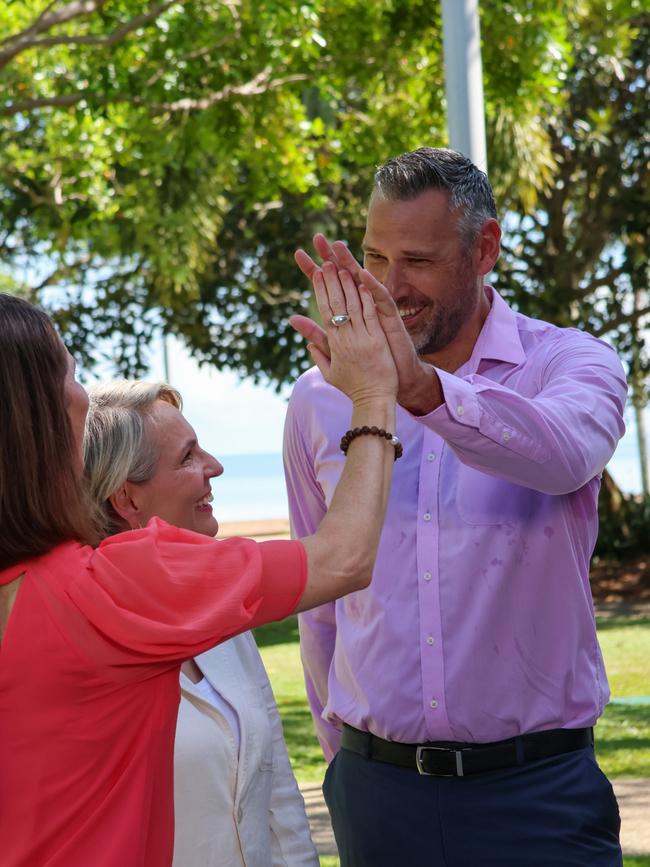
[(465, 420), (460, 402)]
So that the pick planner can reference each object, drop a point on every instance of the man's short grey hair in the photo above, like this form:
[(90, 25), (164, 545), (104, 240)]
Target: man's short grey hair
[(411, 174), (118, 443)]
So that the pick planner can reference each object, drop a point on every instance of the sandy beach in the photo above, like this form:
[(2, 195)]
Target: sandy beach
[(274, 528)]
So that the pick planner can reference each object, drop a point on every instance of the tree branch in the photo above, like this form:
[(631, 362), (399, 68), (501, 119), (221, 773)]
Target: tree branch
[(259, 84), (59, 272), (111, 38), (35, 197), (605, 280), (48, 19), (205, 51), (622, 319)]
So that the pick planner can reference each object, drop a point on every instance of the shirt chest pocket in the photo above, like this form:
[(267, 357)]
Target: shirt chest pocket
[(482, 499)]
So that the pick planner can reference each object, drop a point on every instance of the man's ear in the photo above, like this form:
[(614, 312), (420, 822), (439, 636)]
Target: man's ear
[(487, 247), (125, 501)]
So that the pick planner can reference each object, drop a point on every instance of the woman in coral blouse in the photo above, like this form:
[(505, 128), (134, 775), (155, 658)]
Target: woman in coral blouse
[(236, 801), (92, 637)]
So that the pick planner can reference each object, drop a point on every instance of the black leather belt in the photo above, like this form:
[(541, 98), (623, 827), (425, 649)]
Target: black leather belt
[(450, 759)]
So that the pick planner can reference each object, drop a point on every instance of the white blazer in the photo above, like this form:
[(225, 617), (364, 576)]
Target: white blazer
[(236, 811)]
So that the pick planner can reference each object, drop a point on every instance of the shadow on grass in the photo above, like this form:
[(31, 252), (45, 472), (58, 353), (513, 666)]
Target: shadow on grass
[(628, 718), (604, 623), (283, 632), (623, 740)]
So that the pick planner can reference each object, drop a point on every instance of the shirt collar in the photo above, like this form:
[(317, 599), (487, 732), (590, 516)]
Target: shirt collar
[(499, 338)]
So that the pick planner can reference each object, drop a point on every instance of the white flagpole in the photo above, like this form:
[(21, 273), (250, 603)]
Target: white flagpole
[(464, 79)]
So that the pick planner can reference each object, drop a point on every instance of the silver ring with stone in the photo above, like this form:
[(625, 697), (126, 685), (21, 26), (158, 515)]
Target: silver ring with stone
[(339, 319)]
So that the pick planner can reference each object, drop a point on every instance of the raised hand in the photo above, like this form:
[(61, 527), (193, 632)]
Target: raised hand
[(358, 360), (419, 387)]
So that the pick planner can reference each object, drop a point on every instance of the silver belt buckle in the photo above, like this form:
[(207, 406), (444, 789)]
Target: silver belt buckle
[(418, 761)]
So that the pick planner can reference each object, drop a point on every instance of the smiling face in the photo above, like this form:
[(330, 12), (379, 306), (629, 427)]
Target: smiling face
[(415, 248), (179, 491)]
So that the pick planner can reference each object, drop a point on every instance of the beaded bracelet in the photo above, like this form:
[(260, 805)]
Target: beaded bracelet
[(350, 435)]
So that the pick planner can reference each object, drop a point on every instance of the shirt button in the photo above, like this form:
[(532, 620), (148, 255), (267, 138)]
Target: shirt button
[(427, 576), (427, 516), (460, 410), (505, 436), (429, 640), (431, 457), (433, 703)]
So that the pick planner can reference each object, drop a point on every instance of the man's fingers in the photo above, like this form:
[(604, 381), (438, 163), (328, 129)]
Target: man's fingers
[(311, 331), (381, 296), (338, 253)]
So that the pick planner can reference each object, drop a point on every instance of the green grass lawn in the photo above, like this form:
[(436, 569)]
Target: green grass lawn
[(278, 644), (626, 648), (623, 732), (622, 735)]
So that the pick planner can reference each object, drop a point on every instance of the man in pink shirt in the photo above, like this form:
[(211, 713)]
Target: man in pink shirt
[(455, 697)]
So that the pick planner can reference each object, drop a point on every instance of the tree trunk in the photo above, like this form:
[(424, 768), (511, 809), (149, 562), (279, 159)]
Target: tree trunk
[(642, 440)]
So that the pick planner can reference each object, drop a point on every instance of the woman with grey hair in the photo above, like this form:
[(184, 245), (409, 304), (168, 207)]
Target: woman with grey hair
[(236, 799)]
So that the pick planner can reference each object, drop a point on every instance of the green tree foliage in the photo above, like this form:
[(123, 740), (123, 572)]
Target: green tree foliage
[(579, 255), (161, 162)]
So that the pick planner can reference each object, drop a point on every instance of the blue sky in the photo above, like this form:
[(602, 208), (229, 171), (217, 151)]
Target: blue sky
[(230, 416)]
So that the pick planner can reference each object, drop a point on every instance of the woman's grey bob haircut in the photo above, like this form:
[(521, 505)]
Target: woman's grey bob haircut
[(118, 445)]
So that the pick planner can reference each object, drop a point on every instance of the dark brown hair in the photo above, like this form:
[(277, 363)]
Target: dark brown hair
[(42, 497)]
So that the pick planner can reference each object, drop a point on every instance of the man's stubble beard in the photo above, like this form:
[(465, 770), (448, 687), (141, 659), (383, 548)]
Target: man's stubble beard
[(447, 318)]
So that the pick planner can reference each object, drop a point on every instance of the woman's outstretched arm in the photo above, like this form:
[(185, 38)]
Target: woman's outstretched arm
[(341, 553)]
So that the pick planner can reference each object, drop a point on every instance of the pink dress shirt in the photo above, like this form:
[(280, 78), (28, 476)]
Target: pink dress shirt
[(479, 622)]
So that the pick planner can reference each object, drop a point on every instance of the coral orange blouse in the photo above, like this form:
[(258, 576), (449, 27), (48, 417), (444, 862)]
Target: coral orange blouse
[(89, 684)]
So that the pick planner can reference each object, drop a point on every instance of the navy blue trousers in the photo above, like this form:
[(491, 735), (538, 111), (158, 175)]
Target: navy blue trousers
[(557, 812)]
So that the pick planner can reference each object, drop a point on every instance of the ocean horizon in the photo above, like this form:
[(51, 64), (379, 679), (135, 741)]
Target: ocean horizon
[(250, 489)]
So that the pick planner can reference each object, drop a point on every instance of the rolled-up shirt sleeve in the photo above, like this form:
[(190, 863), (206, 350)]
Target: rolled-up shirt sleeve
[(553, 440)]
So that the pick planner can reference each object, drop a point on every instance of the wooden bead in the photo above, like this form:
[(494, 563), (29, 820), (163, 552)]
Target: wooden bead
[(352, 434)]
